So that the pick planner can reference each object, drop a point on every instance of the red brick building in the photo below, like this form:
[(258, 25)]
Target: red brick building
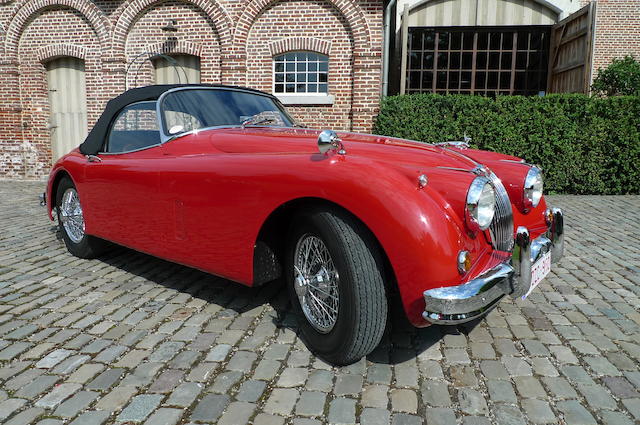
[(61, 60)]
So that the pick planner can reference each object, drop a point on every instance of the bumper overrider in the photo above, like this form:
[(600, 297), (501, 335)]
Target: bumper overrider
[(473, 299)]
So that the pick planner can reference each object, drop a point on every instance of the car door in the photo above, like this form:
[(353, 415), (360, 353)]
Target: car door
[(121, 183)]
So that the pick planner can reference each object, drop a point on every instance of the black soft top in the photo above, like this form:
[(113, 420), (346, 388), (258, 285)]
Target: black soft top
[(95, 139)]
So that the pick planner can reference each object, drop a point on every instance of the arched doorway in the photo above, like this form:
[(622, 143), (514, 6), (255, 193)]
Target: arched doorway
[(67, 103), (185, 70)]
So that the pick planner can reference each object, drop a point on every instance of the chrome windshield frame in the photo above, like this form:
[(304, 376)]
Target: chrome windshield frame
[(164, 137)]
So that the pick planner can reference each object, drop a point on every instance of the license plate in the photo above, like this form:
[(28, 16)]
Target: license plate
[(539, 270)]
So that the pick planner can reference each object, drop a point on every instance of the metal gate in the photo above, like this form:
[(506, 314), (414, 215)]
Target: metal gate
[(67, 103), (185, 70), (571, 52)]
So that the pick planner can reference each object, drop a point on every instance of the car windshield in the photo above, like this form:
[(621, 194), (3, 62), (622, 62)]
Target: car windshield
[(190, 109)]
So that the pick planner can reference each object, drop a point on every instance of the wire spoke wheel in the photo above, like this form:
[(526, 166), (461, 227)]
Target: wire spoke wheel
[(71, 215), (316, 283)]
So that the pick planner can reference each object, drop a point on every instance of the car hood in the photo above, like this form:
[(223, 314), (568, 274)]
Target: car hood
[(390, 150)]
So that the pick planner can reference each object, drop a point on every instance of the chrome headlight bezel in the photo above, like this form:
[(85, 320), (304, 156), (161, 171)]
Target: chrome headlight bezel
[(480, 206), (532, 188)]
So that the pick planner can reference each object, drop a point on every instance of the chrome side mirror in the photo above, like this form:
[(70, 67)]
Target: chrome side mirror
[(328, 140)]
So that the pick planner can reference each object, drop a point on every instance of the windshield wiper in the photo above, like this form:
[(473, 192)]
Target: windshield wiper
[(250, 121)]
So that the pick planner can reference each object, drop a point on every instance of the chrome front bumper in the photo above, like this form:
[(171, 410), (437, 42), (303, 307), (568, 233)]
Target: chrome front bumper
[(462, 303)]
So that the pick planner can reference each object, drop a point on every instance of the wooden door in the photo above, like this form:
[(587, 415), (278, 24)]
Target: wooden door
[(67, 103), (571, 52), (185, 70)]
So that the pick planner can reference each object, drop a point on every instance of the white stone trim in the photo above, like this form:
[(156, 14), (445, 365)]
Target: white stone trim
[(288, 99)]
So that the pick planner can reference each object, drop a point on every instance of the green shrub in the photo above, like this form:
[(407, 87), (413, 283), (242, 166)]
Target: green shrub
[(621, 77), (585, 145)]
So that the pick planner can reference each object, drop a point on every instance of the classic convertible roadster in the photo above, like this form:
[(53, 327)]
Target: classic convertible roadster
[(223, 179)]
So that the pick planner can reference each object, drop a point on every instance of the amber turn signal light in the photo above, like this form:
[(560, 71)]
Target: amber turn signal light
[(464, 262)]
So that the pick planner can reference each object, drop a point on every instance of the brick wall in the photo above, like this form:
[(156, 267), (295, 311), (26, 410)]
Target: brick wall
[(617, 31), (231, 37)]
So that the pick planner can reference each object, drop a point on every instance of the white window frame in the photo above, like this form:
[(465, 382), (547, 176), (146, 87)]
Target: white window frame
[(307, 98)]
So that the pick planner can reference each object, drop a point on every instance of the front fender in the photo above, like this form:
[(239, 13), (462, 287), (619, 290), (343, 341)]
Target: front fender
[(416, 227)]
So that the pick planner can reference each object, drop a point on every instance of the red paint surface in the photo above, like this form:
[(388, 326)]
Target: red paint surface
[(200, 200)]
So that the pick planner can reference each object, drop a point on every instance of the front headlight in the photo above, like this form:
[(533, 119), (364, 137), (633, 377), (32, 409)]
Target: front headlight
[(533, 186), (481, 204)]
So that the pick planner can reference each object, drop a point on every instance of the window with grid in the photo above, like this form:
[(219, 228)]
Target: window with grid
[(478, 60), (300, 73)]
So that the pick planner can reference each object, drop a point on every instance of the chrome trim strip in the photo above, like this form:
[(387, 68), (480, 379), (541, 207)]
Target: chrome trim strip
[(501, 228)]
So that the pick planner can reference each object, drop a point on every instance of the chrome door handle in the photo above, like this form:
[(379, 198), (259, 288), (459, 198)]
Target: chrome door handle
[(94, 158)]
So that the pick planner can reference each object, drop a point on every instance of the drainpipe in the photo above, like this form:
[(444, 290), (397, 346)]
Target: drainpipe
[(386, 47)]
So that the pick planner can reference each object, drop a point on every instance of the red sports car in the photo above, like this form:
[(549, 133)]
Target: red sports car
[(223, 179)]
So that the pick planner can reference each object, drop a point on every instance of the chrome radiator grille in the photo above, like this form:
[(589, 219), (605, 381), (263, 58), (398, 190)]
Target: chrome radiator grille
[(501, 228)]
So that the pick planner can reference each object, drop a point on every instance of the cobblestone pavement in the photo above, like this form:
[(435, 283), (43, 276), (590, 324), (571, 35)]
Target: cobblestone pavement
[(132, 339)]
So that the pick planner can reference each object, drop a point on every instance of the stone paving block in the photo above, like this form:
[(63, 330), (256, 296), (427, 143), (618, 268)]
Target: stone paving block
[(616, 418), (348, 384), (166, 381), (37, 386), (106, 379), (210, 407), (375, 396), (463, 376), (574, 413), (91, 418), (597, 397), (633, 406), (86, 372), (225, 381), (57, 395), (320, 380), (434, 416), (218, 353), (237, 412), (404, 400), (506, 414), (602, 367), (25, 417), (371, 416), (140, 407), (538, 411), (266, 369), (620, 387), (472, 402), (70, 364), (501, 391), (342, 411), (72, 406), (14, 350), (202, 372), (184, 394), (293, 377), (281, 401), (517, 366), (311, 403), (266, 419), (251, 391), (117, 398), (9, 406), (529, 387), (165, 416)]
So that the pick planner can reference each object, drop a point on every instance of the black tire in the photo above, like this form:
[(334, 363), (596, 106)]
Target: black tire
[(87, 247), (362, 308)]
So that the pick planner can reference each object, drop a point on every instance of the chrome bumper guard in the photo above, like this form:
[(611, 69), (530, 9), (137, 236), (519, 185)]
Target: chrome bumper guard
[(462, 303)]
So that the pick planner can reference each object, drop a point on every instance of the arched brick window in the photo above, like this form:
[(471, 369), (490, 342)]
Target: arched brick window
[(301, 73)]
